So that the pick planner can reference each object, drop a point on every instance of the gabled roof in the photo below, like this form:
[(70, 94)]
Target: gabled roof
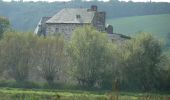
[(43, 20), (70, 15), (41, 25)]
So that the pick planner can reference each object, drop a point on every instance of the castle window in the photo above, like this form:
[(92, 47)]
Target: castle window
[(57, 30), (78, 16)]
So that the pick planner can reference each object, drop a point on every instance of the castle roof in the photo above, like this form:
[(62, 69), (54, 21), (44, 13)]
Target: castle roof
[(41, 23), (71, 15)]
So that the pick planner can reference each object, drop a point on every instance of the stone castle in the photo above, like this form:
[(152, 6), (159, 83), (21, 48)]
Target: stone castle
[(68, 19)]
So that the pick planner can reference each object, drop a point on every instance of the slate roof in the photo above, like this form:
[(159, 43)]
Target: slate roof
[(69, 15), (43, 20), (41, 25)]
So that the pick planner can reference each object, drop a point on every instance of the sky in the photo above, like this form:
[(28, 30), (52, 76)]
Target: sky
[(100, 0)]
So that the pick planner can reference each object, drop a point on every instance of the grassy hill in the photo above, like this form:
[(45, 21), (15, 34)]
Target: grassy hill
[(159, 25)]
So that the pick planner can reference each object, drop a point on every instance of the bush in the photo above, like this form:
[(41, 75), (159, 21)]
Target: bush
[(14, 84)]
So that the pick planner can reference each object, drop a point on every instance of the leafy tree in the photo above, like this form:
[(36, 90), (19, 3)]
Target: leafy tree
[(165, 72), (15, 55), (167, 40), (110, 71), (88, 50), (4, 25), (140, 59), (49, 57)]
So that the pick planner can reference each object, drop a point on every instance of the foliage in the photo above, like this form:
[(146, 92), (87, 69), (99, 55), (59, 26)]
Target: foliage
[(165, 72), (49, 57), (140, 59), (4, 25), (88, 50), (93, 60), (15, 55), (110, 71), (21, 53), (24, 85)]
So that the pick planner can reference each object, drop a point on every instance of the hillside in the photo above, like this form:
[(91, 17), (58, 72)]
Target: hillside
[(24, 16), (156, 24)]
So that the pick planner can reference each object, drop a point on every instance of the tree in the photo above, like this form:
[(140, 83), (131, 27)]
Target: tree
[(110, 71), (140, 59), (89, 53), (167, 40), (15, 55), (164, 77), (49, 57), (4, 25)]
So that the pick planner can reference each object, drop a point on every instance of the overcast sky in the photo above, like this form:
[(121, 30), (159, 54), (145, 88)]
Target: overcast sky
[(100, 0)]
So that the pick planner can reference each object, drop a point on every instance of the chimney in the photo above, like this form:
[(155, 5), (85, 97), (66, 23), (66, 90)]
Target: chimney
[(93, 8)]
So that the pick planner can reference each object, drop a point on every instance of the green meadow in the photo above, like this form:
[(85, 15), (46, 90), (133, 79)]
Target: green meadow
[(159, 25), (38, 94)]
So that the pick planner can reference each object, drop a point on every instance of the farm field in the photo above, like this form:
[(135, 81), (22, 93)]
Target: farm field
[(159, 25), (28, 94)]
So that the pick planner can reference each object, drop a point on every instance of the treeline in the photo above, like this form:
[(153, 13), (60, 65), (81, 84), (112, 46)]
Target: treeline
[(24, 16), (89, 59)]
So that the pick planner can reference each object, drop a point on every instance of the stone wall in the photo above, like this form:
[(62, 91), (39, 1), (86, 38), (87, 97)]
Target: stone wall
[(66, 29), (99, 21), (41, 27)]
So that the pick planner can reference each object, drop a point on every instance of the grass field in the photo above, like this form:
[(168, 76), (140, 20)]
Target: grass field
[(159, 25), (28, 94)]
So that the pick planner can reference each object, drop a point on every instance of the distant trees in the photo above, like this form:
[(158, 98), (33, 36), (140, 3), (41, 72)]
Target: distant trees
[(4, 25)]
